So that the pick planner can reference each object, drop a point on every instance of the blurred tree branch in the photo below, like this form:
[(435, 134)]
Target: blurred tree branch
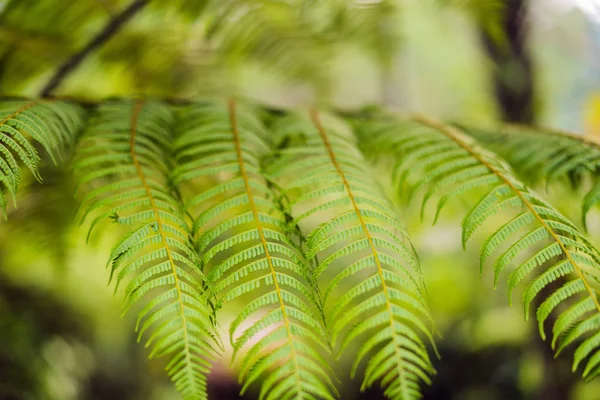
[(113, 27), (513, 70)]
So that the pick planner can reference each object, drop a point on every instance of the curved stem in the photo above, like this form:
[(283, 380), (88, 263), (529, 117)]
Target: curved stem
[(113, 26)]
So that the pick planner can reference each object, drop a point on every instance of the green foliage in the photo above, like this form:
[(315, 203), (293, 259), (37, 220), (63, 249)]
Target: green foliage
[(289, 221), (548, 155), (52, 124), (244, 243), (44, 214), (122, 162), (271, 33), (40, 35), (373, 25), (366, 265), (277, 220), (204, 45), (451, 164)]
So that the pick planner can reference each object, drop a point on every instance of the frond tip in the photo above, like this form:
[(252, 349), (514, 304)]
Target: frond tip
[(365, 262), (454, 164), (242, 237), (122, 161)]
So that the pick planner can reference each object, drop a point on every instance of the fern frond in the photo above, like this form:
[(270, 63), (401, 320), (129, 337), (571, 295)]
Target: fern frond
[(542, 154), (552, 248), (242, 238), (54, 125), (122, 160), (373, 294)]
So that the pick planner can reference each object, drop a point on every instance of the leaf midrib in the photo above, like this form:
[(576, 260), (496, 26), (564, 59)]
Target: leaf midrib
[(314, 114), (451, 134), (241, 162), (134, 121)]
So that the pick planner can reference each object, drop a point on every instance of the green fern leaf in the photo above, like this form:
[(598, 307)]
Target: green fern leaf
[(380, 294), (542, 154), (566, 253), (54, 125), (122, 161), (242, 237)]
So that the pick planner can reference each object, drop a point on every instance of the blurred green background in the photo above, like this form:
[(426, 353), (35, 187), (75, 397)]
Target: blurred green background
[(61, 333)]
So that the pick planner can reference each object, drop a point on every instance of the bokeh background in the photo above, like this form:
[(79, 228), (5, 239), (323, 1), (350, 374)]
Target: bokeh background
[(62, 336)]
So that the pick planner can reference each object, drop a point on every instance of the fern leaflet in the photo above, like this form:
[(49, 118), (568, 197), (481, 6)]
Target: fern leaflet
[(242, 238), (122, 160), (544, 154), (378, 297), (54, 125), (454, 164)]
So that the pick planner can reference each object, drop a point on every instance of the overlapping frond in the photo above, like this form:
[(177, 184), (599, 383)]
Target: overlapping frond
[(543, 154), (122, 165), (551, 248), (373, 293), (310, 246), (54, 125), (243, 240)]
